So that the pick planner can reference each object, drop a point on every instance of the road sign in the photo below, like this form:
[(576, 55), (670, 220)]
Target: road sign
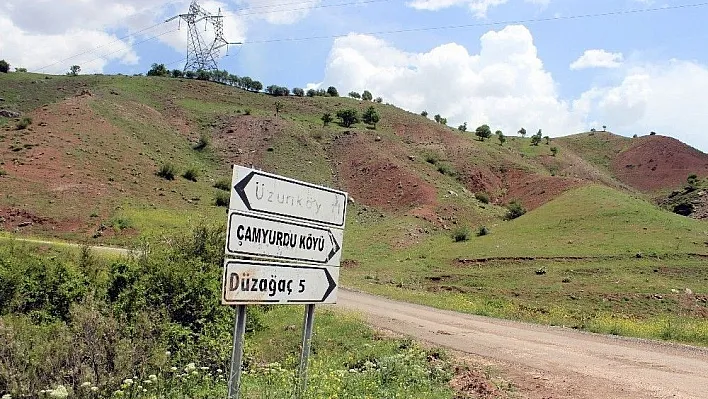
[(254, 282), (251, 234), (257, 191)]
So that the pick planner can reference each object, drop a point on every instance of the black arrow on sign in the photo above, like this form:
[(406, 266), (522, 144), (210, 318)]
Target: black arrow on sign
[(332, 285), (240, 188), (335, 247)]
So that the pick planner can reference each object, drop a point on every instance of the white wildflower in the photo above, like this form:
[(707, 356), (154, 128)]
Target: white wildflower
[(152, 377), (94, 389), (219, 371), (85, 384), (6, 396), (168, 353), (190, 367), (128, 381), (60, 392), (204, 368), (173, 368)]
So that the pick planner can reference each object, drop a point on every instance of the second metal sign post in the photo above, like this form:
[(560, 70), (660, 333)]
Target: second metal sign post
[(297, 225)]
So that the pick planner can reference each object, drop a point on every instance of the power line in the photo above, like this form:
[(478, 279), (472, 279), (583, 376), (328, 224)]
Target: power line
[(484, 24), (305, 8), (101, 46), (134, 44)]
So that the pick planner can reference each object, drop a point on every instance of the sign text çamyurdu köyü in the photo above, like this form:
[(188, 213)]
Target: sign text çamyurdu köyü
[(251, 234)]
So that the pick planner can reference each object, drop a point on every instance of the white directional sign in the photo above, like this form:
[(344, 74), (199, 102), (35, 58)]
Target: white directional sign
[(250, 282), (275, 195), (252, 234)]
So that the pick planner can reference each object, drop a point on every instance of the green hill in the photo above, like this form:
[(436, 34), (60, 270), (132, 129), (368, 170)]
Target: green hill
[(86, 169)]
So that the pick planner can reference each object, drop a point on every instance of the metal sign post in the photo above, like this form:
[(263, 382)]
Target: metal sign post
[(305, 354), (299, 225), (237, 354)]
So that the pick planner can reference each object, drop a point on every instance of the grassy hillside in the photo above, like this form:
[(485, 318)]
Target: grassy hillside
[(86, 168)]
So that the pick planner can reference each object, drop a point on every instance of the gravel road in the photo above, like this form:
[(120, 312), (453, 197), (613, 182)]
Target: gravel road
[(548, 362)]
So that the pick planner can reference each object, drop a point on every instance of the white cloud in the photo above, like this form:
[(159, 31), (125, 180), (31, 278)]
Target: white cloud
[(666, 98), (34, 51), (478, 7), (598, 58), (504, 85)]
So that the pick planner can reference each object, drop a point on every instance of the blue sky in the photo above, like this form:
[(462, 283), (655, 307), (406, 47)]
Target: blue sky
[(642, 72)]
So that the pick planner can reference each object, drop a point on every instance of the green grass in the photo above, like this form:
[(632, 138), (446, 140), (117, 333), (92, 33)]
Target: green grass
[(626, 265), (598, 148), (179, 345)]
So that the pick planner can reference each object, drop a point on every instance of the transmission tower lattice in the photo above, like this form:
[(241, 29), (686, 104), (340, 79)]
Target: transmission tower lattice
[(200, 54)]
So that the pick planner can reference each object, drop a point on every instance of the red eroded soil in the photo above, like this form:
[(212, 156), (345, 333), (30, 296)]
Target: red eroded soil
[(243, 139), (56, 172), (534, 190), (374, 173), (656, 162)]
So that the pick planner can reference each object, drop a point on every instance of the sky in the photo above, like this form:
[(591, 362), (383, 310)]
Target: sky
[(563, 66)]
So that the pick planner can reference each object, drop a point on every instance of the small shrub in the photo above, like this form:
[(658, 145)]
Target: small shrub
[(541, 271), (514, 210), (482, 231), (222, 199), (461, 234), (191, 174), (24, 123), (554, 151), (482, 197), (247, 111), (223, 184), (121, 223), (3, 172), (203, 142), (431, 158), (167, 171), (446, 169)]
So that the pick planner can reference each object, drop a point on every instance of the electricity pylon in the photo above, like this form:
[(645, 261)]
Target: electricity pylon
[(200, 54)]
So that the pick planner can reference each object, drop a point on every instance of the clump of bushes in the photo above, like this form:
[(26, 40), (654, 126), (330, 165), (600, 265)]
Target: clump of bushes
[(514, 210), (482, 197), (222, 199), (482, 231), (461, 234), (191, 174), (223, 184), (203, 142), (167, 171), (24, 123)]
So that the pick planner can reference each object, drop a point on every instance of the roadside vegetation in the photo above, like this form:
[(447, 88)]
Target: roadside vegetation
[(151, 325)]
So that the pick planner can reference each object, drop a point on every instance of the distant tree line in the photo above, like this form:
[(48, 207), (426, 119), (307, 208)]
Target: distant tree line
[(219, 76)]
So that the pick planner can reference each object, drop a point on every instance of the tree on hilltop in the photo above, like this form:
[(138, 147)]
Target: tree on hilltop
[(354, 94), (348, 117), (4, 66), (500, 137), (366, 95), (370, 116), (74, 70), (483, 132), (522, 132), (298, 92), (462, 127), (332, 91), (326, 118), (158, 70)]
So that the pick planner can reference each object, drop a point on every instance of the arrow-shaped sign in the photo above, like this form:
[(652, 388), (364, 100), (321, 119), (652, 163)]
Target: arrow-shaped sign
[(275, 195), (252, 282), (251, 234)]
